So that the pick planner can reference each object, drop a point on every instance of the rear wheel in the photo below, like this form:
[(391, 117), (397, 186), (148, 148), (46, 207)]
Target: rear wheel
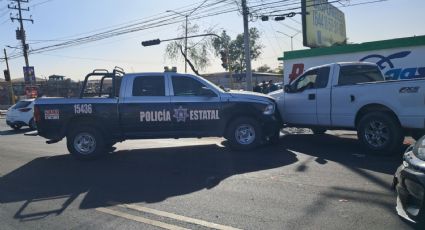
[(380, 133), (85, 143), (244, 134)]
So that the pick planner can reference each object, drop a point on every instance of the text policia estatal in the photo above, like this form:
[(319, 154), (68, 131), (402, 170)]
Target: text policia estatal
[(179, 114)]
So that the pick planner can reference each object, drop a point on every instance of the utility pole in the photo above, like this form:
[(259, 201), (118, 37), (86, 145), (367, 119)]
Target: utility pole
[(185, 45), (10, 80), (245, 13), (292, 37), (185, 31), (20, 34)]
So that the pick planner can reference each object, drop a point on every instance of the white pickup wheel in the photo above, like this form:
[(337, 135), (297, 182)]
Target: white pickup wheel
[(244, 133), (85, 143), (380, 133)]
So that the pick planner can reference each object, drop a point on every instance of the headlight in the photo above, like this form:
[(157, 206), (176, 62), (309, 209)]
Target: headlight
[(269, 109), (419, 149)]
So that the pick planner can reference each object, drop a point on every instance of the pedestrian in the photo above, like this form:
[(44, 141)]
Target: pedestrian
[(272, 86), (257, 88), (264, 87)]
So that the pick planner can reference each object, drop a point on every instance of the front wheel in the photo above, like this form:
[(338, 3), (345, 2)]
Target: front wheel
[(85, 143), (380, 133), (244, 134)]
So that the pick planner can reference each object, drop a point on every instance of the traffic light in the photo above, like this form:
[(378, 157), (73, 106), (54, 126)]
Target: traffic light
[(6, 75), (223, 55), (279, 18), (151, 42)]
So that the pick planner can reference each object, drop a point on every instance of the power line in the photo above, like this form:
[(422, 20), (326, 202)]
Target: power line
[(120, 31)]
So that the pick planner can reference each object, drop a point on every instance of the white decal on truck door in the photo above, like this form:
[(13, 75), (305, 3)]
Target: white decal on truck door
[(161, 115), (51, 114), (83, 109)]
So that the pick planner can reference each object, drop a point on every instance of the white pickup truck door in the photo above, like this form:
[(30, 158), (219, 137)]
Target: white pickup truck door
[(349, 95), (308, 102)]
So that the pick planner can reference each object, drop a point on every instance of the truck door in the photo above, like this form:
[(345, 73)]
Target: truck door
[(347, 95), (307, 94), (146, 107), (195, 106)]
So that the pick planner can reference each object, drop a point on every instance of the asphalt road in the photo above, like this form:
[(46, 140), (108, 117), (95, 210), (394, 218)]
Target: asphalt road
[(304, 182)]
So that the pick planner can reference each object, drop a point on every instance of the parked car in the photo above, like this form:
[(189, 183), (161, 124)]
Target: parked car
[(21, 114), (409, 182)]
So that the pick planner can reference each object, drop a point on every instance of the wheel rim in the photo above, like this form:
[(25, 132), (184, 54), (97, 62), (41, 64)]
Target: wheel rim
[(245, 134), (377, 134), (85, 143)]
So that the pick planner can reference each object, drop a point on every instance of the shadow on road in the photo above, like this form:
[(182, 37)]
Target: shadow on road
[(144, 175), (348, 152), (13, 132), (344, 150)]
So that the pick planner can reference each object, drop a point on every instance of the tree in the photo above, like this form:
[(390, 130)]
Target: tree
[(264, 69), (197, 52), (236, 51)]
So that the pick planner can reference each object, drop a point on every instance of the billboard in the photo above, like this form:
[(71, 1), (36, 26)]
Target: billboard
[(397, 63), (323, 24), (29, 74)]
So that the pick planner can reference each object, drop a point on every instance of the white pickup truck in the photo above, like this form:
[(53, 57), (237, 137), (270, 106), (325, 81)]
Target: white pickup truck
[(354, 96)]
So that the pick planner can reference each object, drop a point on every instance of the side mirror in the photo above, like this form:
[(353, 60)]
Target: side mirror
[(287, 88), (207, 92)]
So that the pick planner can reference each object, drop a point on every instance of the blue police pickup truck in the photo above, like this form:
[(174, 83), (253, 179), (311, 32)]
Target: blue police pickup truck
[(115, 106)]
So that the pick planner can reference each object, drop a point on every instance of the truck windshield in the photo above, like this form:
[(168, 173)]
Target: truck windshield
[(354, 74)]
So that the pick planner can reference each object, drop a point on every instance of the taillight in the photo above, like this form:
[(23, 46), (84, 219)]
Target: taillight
[(24, 109), (36, 114)]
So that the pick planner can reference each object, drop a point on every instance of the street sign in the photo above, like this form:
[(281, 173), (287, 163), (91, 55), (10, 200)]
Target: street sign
[(29, 75)]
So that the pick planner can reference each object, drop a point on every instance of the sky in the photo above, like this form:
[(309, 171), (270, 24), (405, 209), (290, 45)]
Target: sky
[(56, 21)]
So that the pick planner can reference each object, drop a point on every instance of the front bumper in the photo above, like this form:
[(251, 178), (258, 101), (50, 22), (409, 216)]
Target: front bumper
[(12, 123), (270, 124), (409, 182)]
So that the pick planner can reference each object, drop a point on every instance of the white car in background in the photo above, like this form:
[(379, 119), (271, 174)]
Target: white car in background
[(21, 114)]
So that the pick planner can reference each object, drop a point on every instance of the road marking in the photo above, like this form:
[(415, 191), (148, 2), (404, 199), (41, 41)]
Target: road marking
[(175, 216), (140, 219)]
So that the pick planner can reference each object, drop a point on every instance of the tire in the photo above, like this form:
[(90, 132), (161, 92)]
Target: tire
[(32, 124), (16, 127), (85, 143), (318, 131), (244, 133), (380, 133)]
